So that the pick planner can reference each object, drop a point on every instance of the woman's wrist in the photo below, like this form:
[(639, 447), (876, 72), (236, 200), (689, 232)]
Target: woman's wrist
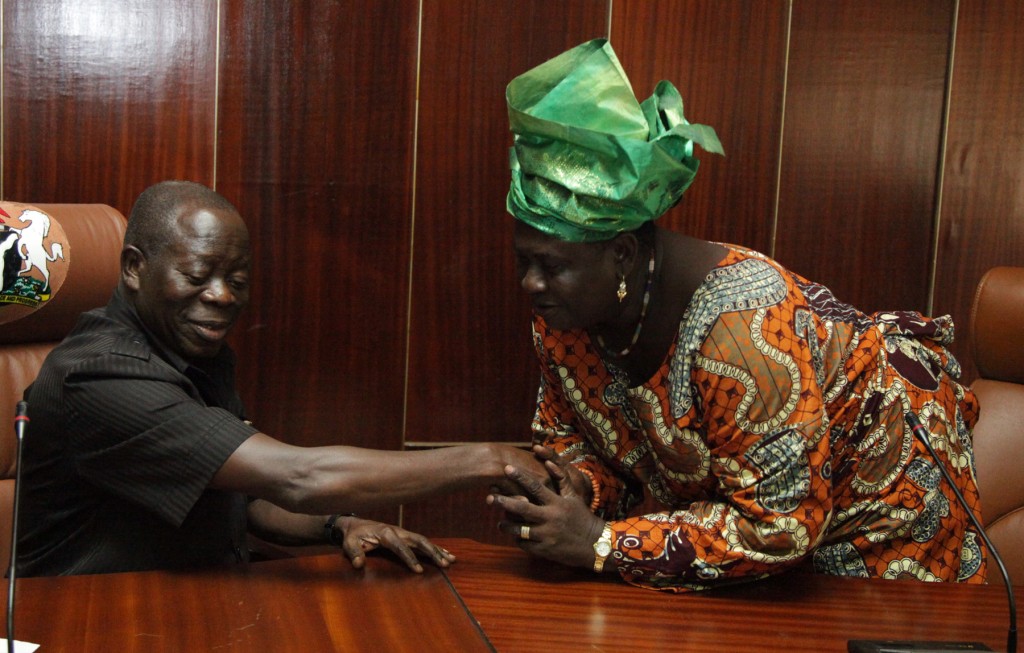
[(603, 548), (590, 489)]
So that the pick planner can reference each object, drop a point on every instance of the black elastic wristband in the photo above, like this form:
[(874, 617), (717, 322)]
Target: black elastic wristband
[(330, 533)]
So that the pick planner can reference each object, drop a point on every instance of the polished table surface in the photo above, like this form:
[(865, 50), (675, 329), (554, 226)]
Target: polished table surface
[(524, 604), (494, 598)]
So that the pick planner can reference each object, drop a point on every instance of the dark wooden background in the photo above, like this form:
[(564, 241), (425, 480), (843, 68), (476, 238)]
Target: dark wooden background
[(875, 146)]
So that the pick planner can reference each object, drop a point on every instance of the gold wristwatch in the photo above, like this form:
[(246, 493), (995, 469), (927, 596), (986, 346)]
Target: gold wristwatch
[(603, 547)]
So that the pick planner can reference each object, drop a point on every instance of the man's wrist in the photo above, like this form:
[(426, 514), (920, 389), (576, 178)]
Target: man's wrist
[(331, 532)]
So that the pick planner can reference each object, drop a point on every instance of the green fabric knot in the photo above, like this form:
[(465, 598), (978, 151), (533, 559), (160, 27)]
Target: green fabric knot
[(588, 161)]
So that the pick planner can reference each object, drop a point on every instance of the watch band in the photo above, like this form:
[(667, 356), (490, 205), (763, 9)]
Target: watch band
[(330, 533), (603, 547)]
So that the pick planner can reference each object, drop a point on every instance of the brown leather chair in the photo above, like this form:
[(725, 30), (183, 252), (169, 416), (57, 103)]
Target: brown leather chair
[(997, 336), (91, 255)]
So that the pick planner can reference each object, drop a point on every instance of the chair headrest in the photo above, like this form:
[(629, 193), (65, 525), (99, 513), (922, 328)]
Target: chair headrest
[(89, 260), (997, 325)]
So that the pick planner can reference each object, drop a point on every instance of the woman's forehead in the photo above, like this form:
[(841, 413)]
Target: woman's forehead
[(532, 241)]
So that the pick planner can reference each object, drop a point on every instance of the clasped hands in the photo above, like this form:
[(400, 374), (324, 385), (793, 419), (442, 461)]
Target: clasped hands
[(549, 516)]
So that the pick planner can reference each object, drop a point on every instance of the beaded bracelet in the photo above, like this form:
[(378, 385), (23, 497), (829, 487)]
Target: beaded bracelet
[(595, 499)]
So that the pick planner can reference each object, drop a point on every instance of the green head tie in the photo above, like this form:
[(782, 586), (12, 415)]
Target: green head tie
[(588, 161)]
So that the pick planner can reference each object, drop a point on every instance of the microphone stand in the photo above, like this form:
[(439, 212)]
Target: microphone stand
[(922, 434), (20, 422)]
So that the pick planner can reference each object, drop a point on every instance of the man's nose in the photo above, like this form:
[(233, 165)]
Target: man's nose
[(219, 291)]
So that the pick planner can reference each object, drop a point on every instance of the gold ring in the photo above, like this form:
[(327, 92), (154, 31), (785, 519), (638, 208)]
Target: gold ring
[(524, 532)]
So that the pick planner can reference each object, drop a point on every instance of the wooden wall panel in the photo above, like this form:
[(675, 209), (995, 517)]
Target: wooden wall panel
[(471, 369), (472, 374), (982, 215), (463, 514), (861, 147), (316, 139), (385, 310), (101, 99), (728, 61)]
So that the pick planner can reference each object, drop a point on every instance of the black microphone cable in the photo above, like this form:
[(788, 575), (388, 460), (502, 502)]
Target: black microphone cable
[(20, 423), (922, 434)]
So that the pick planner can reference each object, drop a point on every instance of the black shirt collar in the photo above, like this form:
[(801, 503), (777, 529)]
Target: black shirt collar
[(121, 310)]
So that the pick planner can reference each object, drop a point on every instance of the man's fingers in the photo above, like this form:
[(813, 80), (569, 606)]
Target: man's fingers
[(406, 545), (393, 541), (352, 547), (441, 556)]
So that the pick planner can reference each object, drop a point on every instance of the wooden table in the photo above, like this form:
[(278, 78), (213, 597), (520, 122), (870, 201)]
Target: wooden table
[(493, 599), (308, 604), (524, 604)]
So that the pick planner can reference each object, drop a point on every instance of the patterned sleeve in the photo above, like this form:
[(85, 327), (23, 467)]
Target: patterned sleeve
[(750, 432), (555, 425)]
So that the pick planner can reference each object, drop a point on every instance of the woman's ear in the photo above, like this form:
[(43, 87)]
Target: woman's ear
[(625, 248), (132, 263)]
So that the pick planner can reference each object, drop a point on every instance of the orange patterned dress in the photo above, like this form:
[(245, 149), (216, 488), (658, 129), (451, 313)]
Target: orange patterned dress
[(773, 435)]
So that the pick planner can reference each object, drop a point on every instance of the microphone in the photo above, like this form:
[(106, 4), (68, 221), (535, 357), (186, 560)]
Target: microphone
[(20, 423), (894, 646)]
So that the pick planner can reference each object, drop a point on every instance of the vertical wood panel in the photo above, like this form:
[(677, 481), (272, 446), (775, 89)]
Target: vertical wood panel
[(472, 372), (982, 216), (728, 61), (316, 141), (464, 514), (861, 146), (316, 119), (101, 99)]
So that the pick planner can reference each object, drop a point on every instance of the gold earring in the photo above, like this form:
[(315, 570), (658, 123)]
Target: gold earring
[(621, 292)]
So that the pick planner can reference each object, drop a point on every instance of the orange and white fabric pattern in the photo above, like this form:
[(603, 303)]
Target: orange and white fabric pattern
[(773, 435)]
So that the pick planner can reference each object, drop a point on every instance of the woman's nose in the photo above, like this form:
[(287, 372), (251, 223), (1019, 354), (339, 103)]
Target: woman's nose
[(532, 281)]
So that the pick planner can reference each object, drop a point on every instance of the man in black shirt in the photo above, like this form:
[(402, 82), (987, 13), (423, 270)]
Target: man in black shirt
[(140, 456)]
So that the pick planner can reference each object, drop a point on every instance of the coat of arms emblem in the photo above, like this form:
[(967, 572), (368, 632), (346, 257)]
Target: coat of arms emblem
[(34, 257)]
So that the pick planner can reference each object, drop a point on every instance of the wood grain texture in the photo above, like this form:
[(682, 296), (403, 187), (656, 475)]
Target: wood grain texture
[(316, 140), (302, 604), (860, 155), (101, 99), (526, 604), (982, 217), (385, 307), (728, 61), (494, 598), (471, 368)]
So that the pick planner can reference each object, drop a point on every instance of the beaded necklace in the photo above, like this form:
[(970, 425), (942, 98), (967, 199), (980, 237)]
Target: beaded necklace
[(643, 314)]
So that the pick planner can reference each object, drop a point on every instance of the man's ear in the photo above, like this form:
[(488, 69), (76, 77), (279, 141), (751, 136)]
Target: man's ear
[(133, 261)]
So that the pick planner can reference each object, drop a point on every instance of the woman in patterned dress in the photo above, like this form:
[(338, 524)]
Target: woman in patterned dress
[(708, 416)]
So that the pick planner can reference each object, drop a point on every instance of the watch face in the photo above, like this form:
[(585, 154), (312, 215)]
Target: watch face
[(603, 548)]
